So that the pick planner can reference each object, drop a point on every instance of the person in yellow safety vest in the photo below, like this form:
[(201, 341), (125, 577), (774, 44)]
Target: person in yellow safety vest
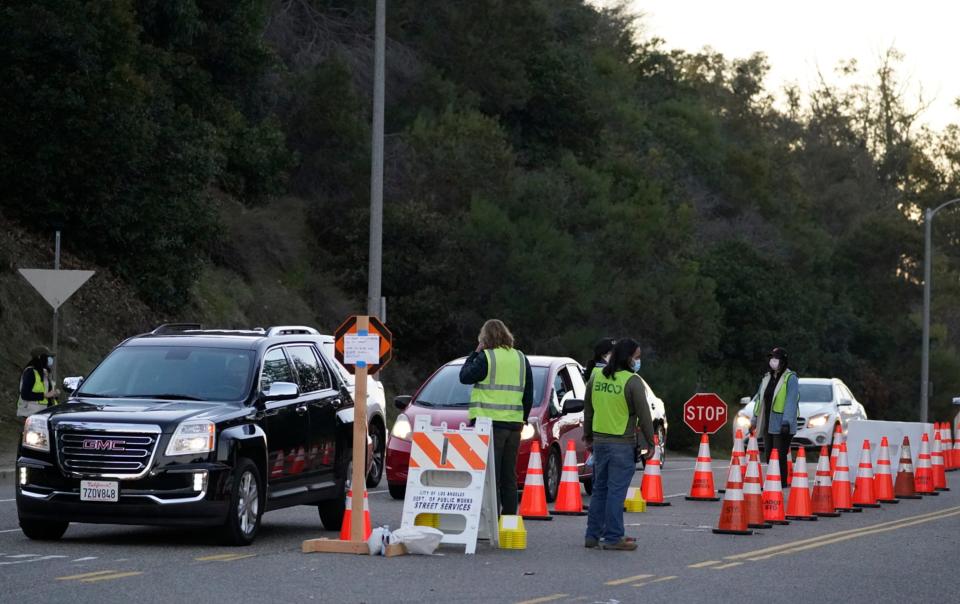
[(503, 391), (36, 391), (601, 356), (615, 404), (775, 409)]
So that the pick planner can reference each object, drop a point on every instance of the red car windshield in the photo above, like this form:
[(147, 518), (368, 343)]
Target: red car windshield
[(445, 390)]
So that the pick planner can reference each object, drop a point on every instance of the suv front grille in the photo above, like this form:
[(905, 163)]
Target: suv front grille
[(121, 454)]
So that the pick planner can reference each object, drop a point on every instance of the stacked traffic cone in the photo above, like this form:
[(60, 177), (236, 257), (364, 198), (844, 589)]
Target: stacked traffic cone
[(634, 502), (841, 483), (939, 473), (752, 447), (652, 485), (427, 519), (823, 487), (799, 506), (512, 533), (348, 513), (702, 489), (835, 449), (864, 495), (773, 510), (276, 469), (905, 487), (533, 505), (924, 476), (733, 520), (568, 501), (753, 493), (737, 454), (883, 481)]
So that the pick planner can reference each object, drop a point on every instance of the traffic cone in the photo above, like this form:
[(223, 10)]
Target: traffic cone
[(651, 488), (752, 447), (533, 505), (733, 520), (634, 501), (823, 487), (949, 453), (348, 513), (841, 484), (905, 487), (799, 506), (790, 468), (883, 481), (835, 449), (924, 476), (276, 469), (773, 509), (956, 448), (753, 493), (569, 502), (939, 474), (702, 489), (737, 454), (864, 495)]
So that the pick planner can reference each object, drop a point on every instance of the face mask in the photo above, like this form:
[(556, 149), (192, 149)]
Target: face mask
[(775, 364), (49, 362), (636, 365)]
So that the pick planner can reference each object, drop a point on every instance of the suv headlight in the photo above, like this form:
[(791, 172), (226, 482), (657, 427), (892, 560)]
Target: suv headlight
[(401, 427), (818, 420), (36, 434), (193, 437), (742, 422)]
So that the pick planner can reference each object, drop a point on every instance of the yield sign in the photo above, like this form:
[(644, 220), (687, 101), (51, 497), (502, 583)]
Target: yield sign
[(55, 286)]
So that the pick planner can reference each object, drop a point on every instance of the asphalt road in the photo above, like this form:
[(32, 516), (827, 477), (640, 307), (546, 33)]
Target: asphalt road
[(906, 552)]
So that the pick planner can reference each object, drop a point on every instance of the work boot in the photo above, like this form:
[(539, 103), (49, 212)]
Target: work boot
[(591, 543), (625, 544)]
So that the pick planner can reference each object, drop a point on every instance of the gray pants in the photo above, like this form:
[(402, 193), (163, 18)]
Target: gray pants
[(506, 444)]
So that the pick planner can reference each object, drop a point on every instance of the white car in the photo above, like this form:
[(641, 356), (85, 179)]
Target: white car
[(824, 404)]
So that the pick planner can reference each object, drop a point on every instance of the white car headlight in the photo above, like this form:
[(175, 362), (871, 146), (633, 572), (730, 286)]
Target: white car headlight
[(36, 434), (743, 422), (527, 432), (401, 427), (193, 436), (818, 420)]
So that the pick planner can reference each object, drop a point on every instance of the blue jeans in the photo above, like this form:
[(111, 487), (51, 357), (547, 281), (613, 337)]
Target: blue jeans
[(613, 469)]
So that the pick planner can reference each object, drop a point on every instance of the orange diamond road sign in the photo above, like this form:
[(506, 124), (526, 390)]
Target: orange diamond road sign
[(705, 413), (371, 347)]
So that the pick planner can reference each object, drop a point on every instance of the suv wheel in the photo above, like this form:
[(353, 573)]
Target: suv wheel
[(379, 455), (662, 437), (397, 491), (43, 530), (243, 517), (552, 475)]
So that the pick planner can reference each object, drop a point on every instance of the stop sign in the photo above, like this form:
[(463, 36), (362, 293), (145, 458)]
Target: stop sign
[(705, 413)]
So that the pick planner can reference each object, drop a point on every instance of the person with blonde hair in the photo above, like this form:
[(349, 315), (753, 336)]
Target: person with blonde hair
[(503, 391)]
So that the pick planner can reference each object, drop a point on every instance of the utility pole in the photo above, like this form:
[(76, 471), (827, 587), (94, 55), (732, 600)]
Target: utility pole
[(374, 303), (56, 311)]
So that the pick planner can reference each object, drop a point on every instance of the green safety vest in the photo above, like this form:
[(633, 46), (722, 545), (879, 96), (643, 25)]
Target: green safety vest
[(499, 395), (609, 401), (38, 388), (779, 395)]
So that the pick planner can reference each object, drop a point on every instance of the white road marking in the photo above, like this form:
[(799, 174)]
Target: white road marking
[(22, 555), (377, 492), (16, 530), (84, 559), (674, 495), (28, 560), (6, 500)]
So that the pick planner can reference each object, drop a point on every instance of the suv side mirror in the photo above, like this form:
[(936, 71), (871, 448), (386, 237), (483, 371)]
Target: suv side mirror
[(72, 384), (572, 405), (281, 391), (401, 402), (745, 400)]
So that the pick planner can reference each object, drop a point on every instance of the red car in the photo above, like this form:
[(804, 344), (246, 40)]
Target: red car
[(556, 418)]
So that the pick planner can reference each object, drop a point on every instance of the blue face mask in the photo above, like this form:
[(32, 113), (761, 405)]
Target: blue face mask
[(636, 365)]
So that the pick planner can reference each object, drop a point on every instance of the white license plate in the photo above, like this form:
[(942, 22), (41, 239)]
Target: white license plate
[(99, 490)]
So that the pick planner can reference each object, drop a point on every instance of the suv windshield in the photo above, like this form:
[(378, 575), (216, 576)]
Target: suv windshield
[(445, 389), (173, 373), (816, 393)]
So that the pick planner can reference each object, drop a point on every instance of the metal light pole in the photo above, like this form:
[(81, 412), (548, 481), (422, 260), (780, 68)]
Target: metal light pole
[(56, 267), (374, 303), (927, 258)]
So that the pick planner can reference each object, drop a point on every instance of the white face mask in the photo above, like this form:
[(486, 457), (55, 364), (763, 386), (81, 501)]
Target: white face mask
[(49, 362), (775, 364)]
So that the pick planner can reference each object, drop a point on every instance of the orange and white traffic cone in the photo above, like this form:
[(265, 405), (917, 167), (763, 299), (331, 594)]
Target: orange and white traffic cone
[(823, 487), (753, 493), (738, 455), (939, 474), (790, 468), (924, 476), (702, 488), (949, 441), (773, 508), (651, 487), (799, 506), (842, 489), (905, 488), (883, 480), (864, 495), (835, 449), (533, 504), (569, 502), (752, 447), (956, 447), (348, 513), (733, 520)]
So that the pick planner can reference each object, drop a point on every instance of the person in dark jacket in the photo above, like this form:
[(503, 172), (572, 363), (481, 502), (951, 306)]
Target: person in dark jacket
[(36, 391), (601, 356), (502, 391), (776, 406)]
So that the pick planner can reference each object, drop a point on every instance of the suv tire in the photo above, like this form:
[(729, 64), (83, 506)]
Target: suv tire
[(246, 505), (331, 513), (552, 474), (43, 530), (379, 455), (397, 491)]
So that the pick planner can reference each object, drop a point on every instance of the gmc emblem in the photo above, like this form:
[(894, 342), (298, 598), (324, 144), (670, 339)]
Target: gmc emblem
[(103, 445)]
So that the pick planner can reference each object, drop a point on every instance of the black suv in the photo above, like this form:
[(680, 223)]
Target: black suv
[(192, 427)]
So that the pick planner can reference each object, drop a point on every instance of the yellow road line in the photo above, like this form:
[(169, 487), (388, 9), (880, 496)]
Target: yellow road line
[(85, 575), (660, 580), (111, 577), (820, 538), (628, 580), (730, 565), (703, 564), (224, 557), (544, 599)]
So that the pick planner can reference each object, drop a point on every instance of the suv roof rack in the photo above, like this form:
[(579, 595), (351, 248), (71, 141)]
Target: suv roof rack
[(290, 330), (168, 328)]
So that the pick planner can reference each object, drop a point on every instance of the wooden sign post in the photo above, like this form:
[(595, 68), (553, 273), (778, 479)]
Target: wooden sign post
[(363, 345)]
